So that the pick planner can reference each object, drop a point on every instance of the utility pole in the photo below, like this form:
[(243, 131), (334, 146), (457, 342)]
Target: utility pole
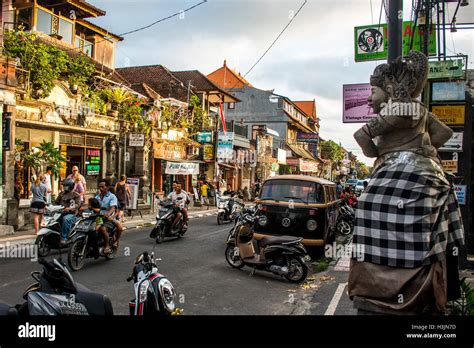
[(395, 22)]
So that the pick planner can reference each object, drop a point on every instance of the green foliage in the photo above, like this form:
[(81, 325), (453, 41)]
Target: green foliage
[(331, 150), (199, 118), (117, 96), (97, 102), (362, 172), (79, 72), (465, 304)]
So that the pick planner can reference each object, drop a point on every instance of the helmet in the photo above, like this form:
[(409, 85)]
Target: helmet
[(68, 185)]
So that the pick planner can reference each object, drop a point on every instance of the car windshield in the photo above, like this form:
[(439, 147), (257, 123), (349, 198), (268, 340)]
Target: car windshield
[(298, 191), (360, 183), (351, 181)]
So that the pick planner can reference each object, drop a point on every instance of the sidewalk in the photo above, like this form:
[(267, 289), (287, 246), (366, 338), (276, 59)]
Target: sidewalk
[(135, 221)]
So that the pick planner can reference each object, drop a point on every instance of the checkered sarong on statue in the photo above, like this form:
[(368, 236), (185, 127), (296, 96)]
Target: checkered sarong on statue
[(407, 217)]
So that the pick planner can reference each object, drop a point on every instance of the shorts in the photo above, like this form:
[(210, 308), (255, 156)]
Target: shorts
[(37, 207), (121, 206)]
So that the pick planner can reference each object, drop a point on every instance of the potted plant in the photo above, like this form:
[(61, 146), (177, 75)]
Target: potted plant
[(116, 97)]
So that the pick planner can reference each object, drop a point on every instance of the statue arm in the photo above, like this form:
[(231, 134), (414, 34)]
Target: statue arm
[(439, 132), (364, 139)]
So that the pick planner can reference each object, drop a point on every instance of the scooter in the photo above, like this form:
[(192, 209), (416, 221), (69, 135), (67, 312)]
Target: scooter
[(285, 256), (56, 293), (164, 222), (49, 236), (86, 242), (228, 207), (346, 219), (154, 293)]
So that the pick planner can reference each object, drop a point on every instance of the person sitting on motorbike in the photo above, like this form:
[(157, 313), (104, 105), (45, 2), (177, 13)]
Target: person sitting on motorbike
[(71, 201), (229, 191), (108, 202), (181, 203), (349, 195)]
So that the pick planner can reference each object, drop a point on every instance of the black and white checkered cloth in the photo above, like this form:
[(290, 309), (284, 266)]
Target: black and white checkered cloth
[(407, 217)]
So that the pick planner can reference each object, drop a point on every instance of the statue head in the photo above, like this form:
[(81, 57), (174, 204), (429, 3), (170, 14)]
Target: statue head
[(400, 80)]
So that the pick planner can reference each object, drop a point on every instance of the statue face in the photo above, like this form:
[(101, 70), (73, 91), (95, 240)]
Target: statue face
[(377, 97)]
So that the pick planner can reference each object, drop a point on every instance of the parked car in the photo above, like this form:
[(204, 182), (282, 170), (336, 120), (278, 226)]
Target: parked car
[(359, 187), (351, 182)]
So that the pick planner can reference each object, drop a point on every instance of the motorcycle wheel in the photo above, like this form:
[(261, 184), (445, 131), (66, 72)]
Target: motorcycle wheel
[(344, 228), (300, 271), (43, 248), (160, 236), (231, 259), (220, 218), (74, 260)]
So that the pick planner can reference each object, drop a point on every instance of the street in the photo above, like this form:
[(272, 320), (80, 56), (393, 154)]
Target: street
[(204, 282)]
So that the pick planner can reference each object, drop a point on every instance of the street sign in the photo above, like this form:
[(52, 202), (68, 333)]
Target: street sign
[(370, 41), (454, 143), (204, 137), (136, 140), (449, 114), (450, 166), (448, 91), (460, 191), (443, 69)]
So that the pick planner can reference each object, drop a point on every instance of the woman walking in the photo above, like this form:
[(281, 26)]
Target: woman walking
[(39, 190), (79, 187), (123, 193)]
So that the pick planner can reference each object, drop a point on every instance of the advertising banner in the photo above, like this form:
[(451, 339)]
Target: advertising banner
[(449, 114), (450, 166), (356, 108), (133, 184), (204, 137), (308, 166), (460, 191), (448, 91), (182, 168), (208, 152), (93, 162), (307, 137), (136, 140), (225, 144)]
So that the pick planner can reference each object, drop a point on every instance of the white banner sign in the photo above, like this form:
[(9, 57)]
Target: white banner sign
[(281, 156), (454, 143), (182, 168), (136, 140)]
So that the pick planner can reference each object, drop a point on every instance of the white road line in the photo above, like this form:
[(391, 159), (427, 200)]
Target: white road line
[(215, 232), (335, 299)]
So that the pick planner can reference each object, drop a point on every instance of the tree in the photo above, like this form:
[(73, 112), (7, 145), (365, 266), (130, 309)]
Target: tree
[(362, 170), (331, 150)]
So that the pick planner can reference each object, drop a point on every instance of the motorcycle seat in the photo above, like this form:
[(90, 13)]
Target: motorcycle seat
[(6, 310), (96, 304), (272, 240)]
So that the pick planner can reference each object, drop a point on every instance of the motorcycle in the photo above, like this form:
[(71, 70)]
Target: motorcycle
[(56, 293), (154, 293), (346, 218), (164, 222), (49, 236), (86, 242), (285, 256), (228, 207)]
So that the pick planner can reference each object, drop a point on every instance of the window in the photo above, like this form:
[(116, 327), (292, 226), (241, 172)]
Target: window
[(231, 105), (44, 21), (66, 30), (298, 191)]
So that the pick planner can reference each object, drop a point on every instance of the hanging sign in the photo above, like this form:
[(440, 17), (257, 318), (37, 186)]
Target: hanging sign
[(136, 140), (450, 166), (93, 162), (208, 152), (356, 108), (448, 91), (454, 143), (443, 69), (182, 168), (449, 114)]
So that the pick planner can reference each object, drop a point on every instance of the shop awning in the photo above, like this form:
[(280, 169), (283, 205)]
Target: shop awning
[(299, 152)]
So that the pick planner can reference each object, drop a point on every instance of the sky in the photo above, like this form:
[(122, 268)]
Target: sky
[(311, 60)]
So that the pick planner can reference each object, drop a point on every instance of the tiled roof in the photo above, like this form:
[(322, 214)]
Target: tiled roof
[(146, 90), (160, 79), (88, 7), (308, 107), (225, 77)]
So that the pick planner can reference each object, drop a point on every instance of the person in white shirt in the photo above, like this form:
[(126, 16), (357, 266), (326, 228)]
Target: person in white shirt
[(47, 182), (182, 203)]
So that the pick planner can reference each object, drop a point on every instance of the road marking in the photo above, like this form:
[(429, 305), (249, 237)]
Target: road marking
[(215, 232), (335, 299)]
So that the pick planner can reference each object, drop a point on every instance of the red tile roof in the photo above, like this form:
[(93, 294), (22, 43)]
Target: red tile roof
[(308, 107), (227, 78)]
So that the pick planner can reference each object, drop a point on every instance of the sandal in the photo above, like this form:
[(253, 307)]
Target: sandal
[(107, 251), (115, 244)]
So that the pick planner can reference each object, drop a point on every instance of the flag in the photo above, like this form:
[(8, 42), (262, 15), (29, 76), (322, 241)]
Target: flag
[(221, 111)]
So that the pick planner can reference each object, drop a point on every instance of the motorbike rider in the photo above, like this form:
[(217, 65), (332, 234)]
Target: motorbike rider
[(71, 201), (109, 203), (182, 204)]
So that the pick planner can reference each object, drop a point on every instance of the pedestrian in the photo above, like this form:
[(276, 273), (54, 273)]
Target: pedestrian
[(47, 182), (124, 195), (339, 188), (38, 202), (204, 190), (79, 188), (75, 171)]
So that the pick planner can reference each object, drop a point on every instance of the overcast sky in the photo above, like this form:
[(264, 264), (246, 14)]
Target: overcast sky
[(311, 60)]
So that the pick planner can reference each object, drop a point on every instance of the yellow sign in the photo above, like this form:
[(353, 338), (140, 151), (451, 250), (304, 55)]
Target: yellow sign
[(450, 166), (449, 114), (208, 152)]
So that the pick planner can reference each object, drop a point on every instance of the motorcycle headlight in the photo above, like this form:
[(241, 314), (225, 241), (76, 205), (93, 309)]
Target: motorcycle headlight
[(45, 222), (262, 220), (168, 294), (144, 290), (311, 225)]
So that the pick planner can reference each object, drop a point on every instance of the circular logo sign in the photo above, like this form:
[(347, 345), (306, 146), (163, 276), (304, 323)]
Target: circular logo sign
[(370, 41), (286, 222)]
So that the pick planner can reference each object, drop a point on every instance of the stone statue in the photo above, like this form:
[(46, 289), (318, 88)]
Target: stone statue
[(408, 227)]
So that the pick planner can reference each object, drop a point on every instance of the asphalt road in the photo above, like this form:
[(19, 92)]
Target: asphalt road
[(196, 266)]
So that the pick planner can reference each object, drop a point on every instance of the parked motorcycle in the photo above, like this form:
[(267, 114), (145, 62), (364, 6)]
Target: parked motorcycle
[(228, 207), (282, 255), (56, 293), (86, 242), (164, 222), (154, 293), (346, 219), (49, 236)]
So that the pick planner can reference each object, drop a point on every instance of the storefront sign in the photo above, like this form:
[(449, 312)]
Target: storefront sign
[(93, 162), (448, 91), (133, 184), (6, 131), (355, 107), (441, 69), (460, 191), (204, 137), (225, 144), (136, 140), (308, 166), (450, 114), (169, 151), (370, 41), (454, 143), (307, 137), (281, 156), (208, 152), (450, 166), (182, 168)]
